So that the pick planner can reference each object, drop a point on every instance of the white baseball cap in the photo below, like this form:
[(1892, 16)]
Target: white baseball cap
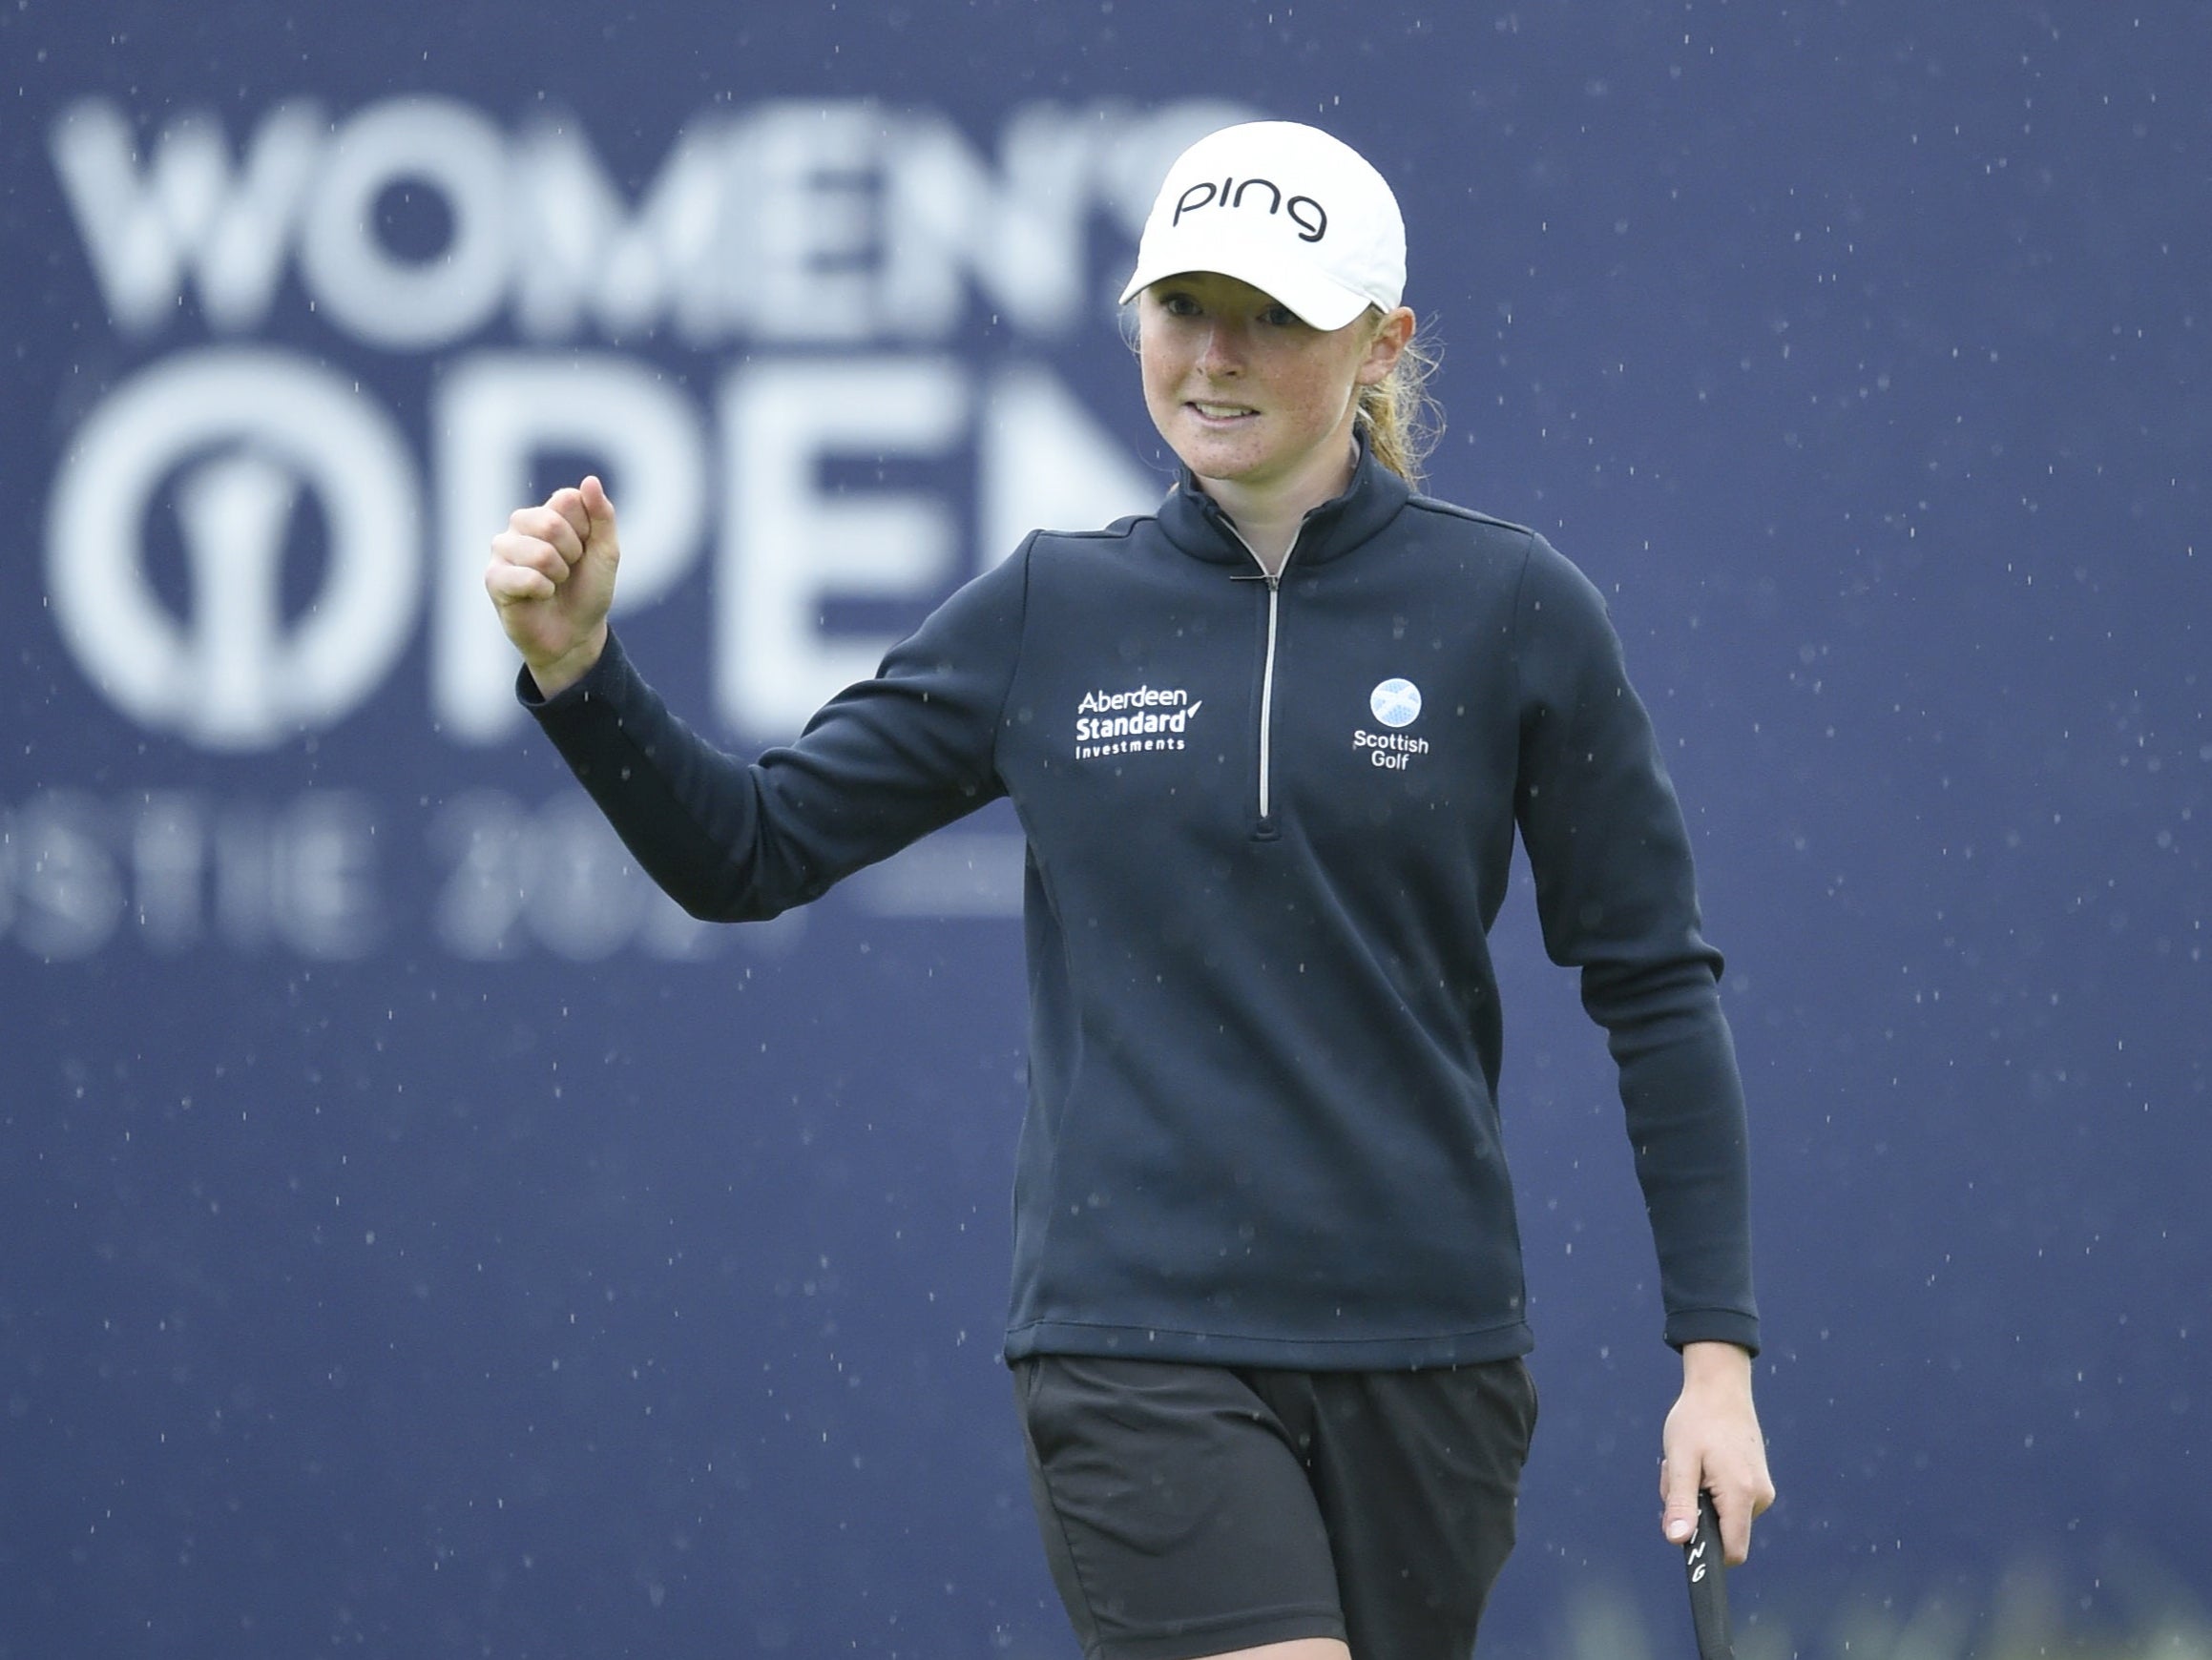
[(1288, 208)]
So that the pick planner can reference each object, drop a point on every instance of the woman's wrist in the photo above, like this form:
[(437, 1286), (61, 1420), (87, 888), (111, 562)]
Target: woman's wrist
[(571, 666), (1715, 1363)]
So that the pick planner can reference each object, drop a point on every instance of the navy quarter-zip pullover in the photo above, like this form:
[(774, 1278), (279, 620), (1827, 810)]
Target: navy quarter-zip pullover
[(1270, 822)]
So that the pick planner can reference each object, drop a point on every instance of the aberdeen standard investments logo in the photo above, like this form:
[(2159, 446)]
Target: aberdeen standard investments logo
[(1145, 717)]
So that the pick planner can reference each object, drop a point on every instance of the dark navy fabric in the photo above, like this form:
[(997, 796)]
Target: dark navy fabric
[(1269, 826), (1194, 1510)]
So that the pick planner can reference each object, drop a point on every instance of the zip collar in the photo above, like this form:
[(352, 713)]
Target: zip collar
[(1196, 524)]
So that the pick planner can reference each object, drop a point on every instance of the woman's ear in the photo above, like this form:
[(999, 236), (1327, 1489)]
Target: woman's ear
[(1391, 336)]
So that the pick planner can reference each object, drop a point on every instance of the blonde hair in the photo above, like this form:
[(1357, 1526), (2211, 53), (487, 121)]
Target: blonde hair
[(1402, 421)]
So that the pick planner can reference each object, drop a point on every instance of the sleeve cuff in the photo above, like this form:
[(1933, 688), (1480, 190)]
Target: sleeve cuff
[(593, 682), (1713, 1325)]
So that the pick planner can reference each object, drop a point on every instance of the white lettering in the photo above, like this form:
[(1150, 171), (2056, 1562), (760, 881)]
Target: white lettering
[(479, 834), (586, 898), (808, 221), (558, 876), (790, 220), (188, 213), (69, 897), (169, 865), (1047, 464), (1142, 697), (301, 875), (820, 222), (1093, 731), (591, 258), (408, 303), (1394, 740), (792, 540), (1021, 239), (322, 876)]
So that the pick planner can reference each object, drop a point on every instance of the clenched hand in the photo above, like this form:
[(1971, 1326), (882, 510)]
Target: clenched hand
[(552, 579)]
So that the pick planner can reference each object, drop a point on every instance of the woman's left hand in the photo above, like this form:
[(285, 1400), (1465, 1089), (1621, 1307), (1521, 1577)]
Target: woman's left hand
[(1711, 1441)]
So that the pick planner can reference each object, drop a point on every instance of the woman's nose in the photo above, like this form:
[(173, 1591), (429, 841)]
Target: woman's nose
[(1223, 353)]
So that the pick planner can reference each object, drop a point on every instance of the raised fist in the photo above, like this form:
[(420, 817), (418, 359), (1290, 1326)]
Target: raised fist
[(552, 579)]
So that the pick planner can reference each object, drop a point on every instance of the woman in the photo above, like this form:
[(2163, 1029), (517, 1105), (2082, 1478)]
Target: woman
[(1270, 747)]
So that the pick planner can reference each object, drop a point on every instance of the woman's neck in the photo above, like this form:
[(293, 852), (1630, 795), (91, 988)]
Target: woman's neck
[(1269, 518), (1268, 535)]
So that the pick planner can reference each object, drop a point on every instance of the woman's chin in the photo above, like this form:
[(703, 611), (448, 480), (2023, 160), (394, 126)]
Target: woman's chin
[(1228, 456)]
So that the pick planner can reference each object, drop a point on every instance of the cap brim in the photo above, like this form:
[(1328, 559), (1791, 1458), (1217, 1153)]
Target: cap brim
[(1318, 299)]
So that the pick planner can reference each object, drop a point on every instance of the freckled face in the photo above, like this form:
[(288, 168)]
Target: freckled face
[(1243, 390)]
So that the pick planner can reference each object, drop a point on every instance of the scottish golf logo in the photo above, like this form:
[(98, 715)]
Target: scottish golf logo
[(1143, 717), (1395, 703)]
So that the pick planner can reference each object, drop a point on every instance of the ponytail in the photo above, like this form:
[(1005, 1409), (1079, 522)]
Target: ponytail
[(1401, 420)]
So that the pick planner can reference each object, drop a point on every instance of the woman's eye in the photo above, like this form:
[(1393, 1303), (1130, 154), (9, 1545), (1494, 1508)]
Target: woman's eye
[(1279, 317), (1178, 305)]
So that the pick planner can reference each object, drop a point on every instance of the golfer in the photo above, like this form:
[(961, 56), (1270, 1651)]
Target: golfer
[(1270, 745)]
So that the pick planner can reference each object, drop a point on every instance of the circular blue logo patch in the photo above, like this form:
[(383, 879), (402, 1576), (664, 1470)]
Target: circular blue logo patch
[(1395, 703)]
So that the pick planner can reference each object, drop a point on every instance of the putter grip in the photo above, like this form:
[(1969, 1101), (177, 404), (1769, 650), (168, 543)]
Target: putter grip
[(1708, 1574)]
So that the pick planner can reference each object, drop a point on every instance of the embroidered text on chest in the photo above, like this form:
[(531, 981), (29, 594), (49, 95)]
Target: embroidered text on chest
[(1144, 717)]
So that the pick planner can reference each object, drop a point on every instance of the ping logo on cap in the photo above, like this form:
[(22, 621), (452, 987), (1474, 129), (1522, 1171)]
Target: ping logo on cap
[(1313, 222)]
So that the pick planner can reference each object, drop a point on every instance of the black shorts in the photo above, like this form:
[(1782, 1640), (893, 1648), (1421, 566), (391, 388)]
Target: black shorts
[(1191, 1510)]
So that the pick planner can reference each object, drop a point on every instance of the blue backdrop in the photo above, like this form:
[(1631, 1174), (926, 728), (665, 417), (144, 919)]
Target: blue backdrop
[(419, 1239)]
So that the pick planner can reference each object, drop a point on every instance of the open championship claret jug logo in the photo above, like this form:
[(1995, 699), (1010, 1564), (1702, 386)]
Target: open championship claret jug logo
[(248, 442)]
